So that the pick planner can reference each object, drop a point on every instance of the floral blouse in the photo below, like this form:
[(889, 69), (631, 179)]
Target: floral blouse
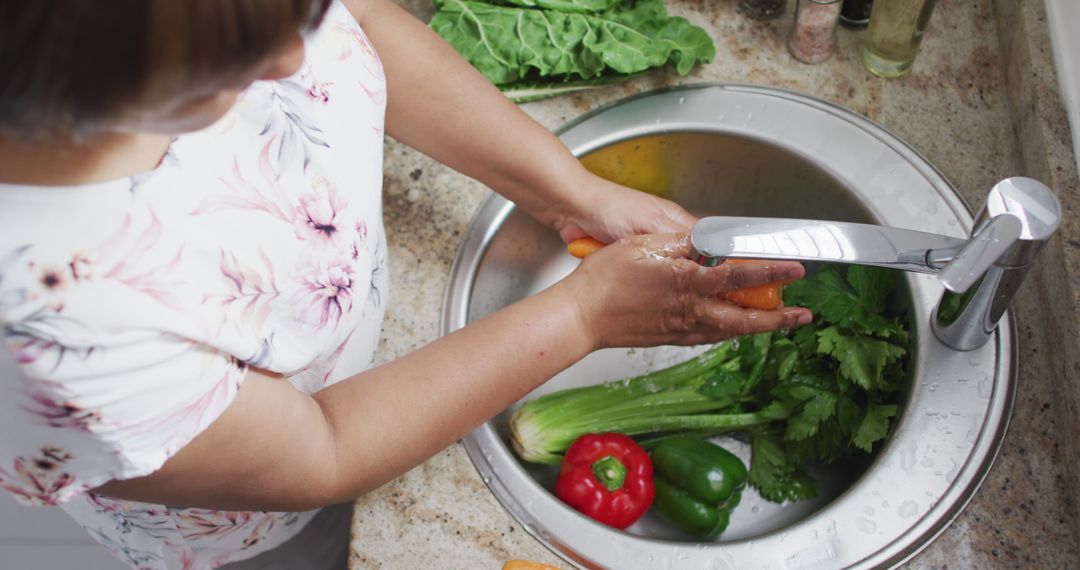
[(130, 310)]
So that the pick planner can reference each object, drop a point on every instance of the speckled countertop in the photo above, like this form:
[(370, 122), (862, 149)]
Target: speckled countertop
[(980, 105)]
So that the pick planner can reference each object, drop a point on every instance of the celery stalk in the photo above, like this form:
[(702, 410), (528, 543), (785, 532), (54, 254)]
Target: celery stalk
[(663, 400)]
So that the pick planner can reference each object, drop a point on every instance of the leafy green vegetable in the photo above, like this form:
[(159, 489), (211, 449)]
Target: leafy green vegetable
[(818, 394), (571, 6), (551, 46)]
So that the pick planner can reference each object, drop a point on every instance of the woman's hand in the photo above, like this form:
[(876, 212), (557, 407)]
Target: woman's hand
[(643, 291), (608, 212)]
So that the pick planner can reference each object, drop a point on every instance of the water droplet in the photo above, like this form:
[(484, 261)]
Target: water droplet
[(907, 459), (867, 526), (682, 100), (868, 511), (755, 509), (909, 509)]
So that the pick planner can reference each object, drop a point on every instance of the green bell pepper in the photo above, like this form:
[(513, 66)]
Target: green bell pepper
[(698, 484)]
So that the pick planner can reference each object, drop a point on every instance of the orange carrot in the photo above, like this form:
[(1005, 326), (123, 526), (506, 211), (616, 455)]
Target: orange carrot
[(582, 247), (526, 565), (764, 297)]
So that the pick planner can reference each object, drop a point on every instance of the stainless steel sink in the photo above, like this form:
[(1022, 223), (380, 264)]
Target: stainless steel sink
[(751, 151)]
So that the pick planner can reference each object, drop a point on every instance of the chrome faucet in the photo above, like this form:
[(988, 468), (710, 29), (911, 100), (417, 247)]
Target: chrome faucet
[(980, 274)]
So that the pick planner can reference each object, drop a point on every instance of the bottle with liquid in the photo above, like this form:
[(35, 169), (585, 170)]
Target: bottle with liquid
[(894, 35), (813, 35), (762, 9)]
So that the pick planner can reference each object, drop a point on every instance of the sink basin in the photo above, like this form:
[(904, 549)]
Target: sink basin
[(752, 151)]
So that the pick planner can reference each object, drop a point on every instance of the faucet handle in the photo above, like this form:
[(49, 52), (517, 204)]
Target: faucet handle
[(984, 249)]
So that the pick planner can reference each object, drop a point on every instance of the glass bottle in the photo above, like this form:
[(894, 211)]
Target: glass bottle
[(855, 14), (813, 35), (896, 31), (762, 9)]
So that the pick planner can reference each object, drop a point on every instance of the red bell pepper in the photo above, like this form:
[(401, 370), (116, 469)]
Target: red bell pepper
[(608, 478)]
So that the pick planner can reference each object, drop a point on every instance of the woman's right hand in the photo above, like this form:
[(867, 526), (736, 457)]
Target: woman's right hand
[(645, 291)]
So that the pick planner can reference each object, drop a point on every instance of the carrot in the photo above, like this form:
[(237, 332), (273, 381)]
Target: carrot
[(764, 297), (526, 565), (582, 247)]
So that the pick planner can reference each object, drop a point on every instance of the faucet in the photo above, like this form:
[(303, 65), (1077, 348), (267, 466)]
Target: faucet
[(980, 274)]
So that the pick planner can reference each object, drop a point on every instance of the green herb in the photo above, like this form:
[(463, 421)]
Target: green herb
[(546, 47), (815, 395)]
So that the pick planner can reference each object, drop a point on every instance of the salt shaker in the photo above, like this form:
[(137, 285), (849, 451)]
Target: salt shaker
[(813, 35)]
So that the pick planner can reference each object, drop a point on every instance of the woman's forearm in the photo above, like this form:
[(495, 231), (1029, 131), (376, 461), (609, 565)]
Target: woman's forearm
[(393, 417), (442, 106), (277, 449)]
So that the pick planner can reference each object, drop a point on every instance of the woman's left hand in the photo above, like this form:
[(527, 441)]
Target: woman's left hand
[(608, 212)]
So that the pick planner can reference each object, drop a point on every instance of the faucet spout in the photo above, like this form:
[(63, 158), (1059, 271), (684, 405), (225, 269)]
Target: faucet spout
[(714, 239), (980, 274)]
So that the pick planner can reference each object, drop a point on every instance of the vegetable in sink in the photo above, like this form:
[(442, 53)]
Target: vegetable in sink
[(817, 394), (608, 477), (698, 484), (766, 297)]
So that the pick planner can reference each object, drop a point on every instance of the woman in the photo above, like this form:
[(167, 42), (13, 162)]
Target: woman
[(193, 267)]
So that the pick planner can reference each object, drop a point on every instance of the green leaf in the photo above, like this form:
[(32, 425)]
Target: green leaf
[(828, 295), (874, 426), (525, 91), (569, 6), (862, 358), (782, 359), (724, 384), (773, 476), (820, 407), (872, 284), (512, 45), (806, 339)]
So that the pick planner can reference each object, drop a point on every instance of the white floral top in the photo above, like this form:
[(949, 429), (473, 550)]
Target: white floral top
[(131, 309)]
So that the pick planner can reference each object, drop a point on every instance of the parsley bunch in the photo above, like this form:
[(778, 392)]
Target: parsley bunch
[(820, 393)]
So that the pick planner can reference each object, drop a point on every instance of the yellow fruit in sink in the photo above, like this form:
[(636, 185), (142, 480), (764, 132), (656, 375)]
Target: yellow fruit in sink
[(641, 164)]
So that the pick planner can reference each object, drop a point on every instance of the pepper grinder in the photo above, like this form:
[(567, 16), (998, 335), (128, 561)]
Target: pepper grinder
[(855, 14)]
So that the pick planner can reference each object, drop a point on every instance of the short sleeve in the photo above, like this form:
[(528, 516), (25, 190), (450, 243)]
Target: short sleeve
[(74, 418)]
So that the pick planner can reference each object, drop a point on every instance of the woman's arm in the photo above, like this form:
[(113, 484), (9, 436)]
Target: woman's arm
[(275, 448), (439, 104)]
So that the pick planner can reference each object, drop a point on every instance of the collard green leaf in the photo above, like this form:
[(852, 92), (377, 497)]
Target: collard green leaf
[(511, 44), (569, 6)]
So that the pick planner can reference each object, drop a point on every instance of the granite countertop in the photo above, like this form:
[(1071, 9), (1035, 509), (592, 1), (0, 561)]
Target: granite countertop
[(980, 105)]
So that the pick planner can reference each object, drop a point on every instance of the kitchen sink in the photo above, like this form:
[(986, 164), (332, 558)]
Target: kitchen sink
[(754, 151)]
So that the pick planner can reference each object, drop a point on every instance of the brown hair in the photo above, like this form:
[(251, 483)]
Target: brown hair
[(72, 66)]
